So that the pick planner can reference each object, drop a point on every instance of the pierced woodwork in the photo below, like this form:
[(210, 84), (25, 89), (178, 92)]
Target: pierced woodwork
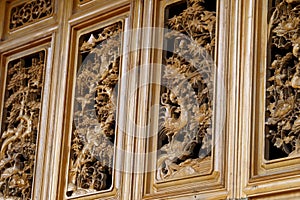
[(30, 12), (94, 122), (186, 104), (283, 81), (19, 130)]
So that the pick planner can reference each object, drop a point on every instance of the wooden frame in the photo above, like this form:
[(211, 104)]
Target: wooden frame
[(262, 176), (213, 183), (42, 44), (237, 168), (79, 8), (79, 28), (43, 22)]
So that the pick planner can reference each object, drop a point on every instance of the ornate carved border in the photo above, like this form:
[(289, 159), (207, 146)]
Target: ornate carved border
[(213, 172), (263, 176), (29, 12), (23, 117), (86, 36)]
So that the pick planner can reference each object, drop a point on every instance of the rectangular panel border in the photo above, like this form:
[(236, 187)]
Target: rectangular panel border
[(215, 180), (261, 176), (79, 27), (42, 44)]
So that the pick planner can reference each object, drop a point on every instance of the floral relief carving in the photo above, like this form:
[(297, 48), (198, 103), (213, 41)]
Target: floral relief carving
[(185, 124), (283, 78), (94, 123), (29, 12), (19, 130)]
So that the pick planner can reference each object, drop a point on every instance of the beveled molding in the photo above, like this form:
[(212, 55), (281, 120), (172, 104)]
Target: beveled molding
[(41, 47), (263, 176), (21, 16), (211, 181), (78, 28), (80, 7)]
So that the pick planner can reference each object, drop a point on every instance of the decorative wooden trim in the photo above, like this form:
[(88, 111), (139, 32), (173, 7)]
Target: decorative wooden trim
[(30, 12), (213, 169), (185, 115), (279, 196), (80, 7), (2, 18), (39, 16), (263, 175), (33, 60), (83, 1), (18, 147), (97, 29)]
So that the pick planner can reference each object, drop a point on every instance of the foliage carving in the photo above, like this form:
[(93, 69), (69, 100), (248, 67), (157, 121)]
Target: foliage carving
[(185, 123), (30, 12), (283, 78), (92, 148), (20, 126)]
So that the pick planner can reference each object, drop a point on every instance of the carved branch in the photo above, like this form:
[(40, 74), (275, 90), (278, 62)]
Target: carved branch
[(283, 80), (186, 95), (18, 141), (94, 116)]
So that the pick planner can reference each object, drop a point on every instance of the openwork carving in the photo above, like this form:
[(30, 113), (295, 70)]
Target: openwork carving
[(283, 79), (30, 12), (185, 136), (92, 149), (20, 126)]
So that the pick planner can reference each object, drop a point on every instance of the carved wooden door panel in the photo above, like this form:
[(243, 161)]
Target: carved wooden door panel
[(272, 161), (185, 143), (149, 99)]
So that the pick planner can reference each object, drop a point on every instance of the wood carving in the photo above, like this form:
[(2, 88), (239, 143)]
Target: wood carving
[(30, 12), (185, 136), (20, 126), (283, 78), (83, 1), (92, 148)]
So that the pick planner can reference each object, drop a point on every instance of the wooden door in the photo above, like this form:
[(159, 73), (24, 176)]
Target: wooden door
[(152, 99)]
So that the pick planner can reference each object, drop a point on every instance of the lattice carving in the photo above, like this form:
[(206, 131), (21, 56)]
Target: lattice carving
[(94, 113), (20, 126), (185, 136), (30, 12), (283, 78)]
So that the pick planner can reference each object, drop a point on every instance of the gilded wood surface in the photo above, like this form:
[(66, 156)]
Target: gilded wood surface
[(94, 125), (185, 136), (83, 1), (30, 12), (283, 78), (20, 126)]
